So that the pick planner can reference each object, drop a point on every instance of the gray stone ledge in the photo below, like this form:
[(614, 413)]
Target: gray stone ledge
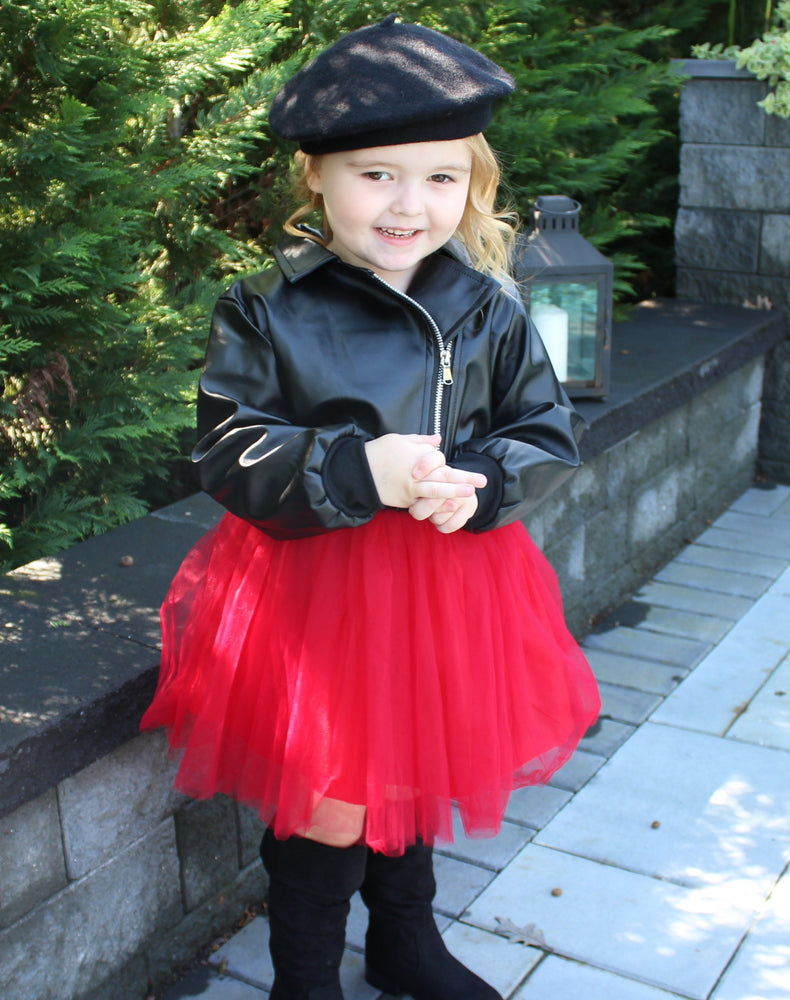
[(733, 286), (83, 638), (669, 352), (710, 68)]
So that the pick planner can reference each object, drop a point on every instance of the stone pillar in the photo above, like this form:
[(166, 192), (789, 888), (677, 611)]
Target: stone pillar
[(732, 233)]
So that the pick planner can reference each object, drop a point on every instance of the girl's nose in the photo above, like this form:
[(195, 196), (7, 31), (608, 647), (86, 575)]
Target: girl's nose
[(408, 200)]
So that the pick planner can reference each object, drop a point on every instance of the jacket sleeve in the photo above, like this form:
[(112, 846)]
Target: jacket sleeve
[(254, 457), (532, 445)]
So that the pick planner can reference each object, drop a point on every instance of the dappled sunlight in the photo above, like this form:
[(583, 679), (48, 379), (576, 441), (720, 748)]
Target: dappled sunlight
[(741, 834), (20, 718), (48, 568), (702, 912)]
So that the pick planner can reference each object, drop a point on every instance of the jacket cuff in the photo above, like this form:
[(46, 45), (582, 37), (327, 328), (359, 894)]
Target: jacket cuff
[(347, 478), (489, 499)]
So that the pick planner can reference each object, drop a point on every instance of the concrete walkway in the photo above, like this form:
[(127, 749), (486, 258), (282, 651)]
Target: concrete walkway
[(655, 864)]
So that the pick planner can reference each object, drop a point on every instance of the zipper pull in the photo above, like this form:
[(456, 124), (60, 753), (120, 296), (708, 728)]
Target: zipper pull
[(445, 359)]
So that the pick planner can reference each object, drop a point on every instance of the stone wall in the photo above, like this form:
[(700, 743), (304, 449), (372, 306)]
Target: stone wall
[(732, 233), (111, 880), (632, 507)]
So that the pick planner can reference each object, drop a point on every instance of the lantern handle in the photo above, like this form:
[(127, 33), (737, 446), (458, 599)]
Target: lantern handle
[(556, 211)]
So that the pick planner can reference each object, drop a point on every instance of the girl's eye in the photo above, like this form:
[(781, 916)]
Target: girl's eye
[(376, 175), (441, 178)]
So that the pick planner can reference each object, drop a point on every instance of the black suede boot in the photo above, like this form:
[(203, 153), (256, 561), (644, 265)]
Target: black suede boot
[(310, 886), (404, 951)]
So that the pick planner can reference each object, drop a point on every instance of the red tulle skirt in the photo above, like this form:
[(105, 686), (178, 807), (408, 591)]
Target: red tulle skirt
[(389, 667)]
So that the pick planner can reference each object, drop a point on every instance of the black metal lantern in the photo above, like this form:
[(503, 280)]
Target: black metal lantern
[(567, 288)]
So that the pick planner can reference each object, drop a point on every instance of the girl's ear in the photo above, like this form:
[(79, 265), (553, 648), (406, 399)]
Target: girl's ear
[(312, 173)]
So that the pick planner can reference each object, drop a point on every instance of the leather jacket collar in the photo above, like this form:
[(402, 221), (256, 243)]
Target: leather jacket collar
[(446, 286)]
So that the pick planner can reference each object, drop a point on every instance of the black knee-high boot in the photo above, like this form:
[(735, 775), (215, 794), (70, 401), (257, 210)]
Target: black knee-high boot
[(404, 951), (310, 885)]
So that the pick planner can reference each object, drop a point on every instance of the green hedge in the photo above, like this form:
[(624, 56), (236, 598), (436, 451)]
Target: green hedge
[(137, 178)]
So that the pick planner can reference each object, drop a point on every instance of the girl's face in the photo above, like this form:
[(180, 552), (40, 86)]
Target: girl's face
[(389, 207)]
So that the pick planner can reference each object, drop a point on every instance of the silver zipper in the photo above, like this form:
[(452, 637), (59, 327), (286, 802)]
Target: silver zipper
[(445, 376)]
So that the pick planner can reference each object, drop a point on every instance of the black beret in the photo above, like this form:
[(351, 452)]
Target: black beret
[(385, 85)]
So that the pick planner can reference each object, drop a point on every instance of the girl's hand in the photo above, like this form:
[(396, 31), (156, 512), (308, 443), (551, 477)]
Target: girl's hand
[(446, 515), (410, 467)]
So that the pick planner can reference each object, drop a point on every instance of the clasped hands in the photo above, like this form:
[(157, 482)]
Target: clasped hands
[(410, 472)]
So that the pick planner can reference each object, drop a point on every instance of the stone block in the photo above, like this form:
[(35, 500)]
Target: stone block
[(626, 705), (115, 801), (646, 454), (577, 772), (717, 239), (178, 946), (740, 177), (774, 436), (577, 620), (677, 429), (587, 494), (542, 522), (129, 981), (555, 516), (534, 521), (632, 671), (658, 506), (728, 458), (535, 805), (567, 558), (777, 131), (710, 410), (777, 373), (31, 857), (606, 552), (723, 402), (73, 944), (722, 111), (754, 382), (569, 506), (713, 468), (613, 469), (775, 244), (207, 848), (251, 829)]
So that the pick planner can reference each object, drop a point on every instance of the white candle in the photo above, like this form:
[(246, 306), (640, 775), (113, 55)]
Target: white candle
[(552, 324)]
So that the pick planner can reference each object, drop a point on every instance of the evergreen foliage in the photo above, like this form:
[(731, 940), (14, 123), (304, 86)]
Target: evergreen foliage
[(137, 177), (119, 122)]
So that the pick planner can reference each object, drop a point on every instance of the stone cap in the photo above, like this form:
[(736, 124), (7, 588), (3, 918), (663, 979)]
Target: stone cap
[(669, 351), (709, 68), (79, 646)]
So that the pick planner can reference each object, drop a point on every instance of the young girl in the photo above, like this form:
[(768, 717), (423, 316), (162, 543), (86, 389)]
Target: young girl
[(369, 635)]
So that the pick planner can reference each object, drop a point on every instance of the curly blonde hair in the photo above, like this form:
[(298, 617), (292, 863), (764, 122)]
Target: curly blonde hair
[(486, 232)]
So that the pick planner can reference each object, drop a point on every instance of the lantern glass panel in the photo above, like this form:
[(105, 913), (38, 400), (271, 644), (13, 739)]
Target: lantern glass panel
[(566, 314)]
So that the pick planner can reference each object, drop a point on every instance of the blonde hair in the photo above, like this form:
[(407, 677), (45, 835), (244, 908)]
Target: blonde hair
[(486, 233)]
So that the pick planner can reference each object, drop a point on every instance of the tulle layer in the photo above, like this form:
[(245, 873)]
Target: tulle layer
[(387, 666)]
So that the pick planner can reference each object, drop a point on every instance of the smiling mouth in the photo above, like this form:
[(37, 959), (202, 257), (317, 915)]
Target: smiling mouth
[(398, 233)]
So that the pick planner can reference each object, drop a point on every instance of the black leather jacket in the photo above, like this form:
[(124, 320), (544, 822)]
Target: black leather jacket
[(309, 360)]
